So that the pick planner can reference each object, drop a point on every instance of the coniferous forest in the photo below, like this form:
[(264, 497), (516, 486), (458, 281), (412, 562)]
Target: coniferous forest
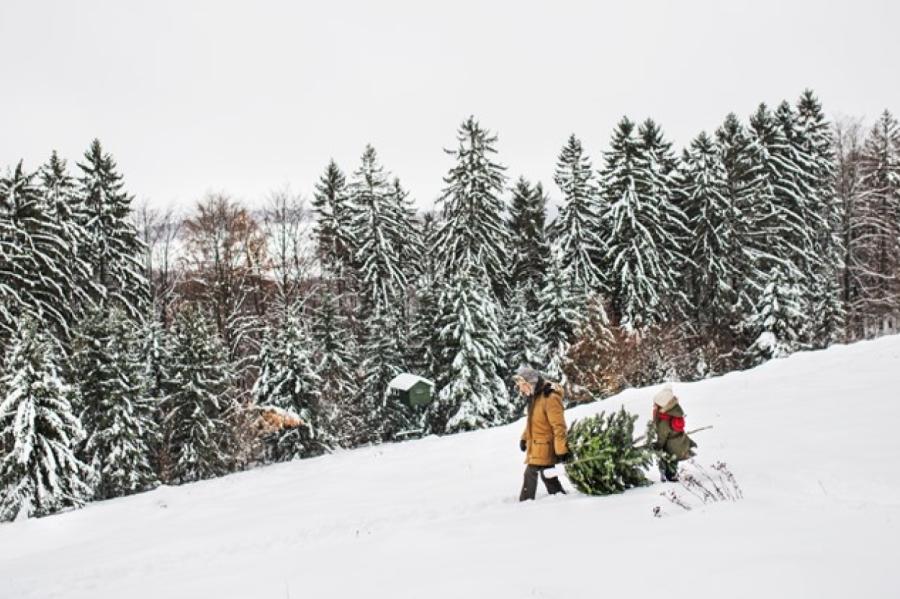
[(144, 347)]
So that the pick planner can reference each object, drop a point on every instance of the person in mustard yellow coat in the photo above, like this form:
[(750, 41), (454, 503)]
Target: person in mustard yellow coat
[(544, 438)]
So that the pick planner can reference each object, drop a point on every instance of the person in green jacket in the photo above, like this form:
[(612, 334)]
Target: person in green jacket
[(672, 442)]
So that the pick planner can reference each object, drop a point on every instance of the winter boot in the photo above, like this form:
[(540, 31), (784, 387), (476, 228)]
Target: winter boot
[(672, 470), (668, 468)]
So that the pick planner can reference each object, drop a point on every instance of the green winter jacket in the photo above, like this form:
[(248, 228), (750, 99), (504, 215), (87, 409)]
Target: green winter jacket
[(676, 444)]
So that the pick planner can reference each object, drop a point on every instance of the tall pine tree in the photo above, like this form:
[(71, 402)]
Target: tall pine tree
[(778, 318), (116, 408), (424, 350), (780, 242), (39, 430), (815, 142), (288, 380), (377, 226), (577, 228), (196, 426), (156, 362), (72, 274), (336, 359), (332, 229), (113, 248), (472, 394), (522, 328), (713, 248), (562, 308), (529, 248), (36, 278), (383, 359), (643, 227), (472, 230), (741, 182)]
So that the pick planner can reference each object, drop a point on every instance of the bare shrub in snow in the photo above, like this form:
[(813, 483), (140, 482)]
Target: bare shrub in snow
[(704, 486)]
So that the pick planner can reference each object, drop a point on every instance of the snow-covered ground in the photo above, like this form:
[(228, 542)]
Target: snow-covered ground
[(814, 441)]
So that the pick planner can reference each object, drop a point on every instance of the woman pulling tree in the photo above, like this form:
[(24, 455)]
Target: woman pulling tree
[(544, 438)]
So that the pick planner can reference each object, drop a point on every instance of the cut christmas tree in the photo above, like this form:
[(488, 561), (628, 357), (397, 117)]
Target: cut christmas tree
[(606, 460)]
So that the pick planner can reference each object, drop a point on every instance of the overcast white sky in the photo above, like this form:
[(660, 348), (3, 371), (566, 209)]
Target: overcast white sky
[(250, 96)]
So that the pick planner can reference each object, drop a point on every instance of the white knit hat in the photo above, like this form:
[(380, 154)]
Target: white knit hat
[(665, 397)]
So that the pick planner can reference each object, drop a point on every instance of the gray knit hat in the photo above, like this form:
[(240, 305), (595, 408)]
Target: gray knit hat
[(529, 375)]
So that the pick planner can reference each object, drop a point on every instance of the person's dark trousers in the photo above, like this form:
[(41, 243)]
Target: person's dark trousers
[(668, 467), (529, 485)]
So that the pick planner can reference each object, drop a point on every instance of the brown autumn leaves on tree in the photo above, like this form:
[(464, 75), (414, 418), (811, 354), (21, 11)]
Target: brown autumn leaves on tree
[(243, 269)]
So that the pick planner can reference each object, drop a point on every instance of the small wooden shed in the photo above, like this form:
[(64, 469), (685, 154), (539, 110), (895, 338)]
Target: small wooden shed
[(414, 391)]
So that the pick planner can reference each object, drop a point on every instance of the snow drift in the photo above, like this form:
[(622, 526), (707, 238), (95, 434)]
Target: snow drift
[(813, 440)]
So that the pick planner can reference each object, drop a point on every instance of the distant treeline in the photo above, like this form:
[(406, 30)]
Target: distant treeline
[(140, 346)]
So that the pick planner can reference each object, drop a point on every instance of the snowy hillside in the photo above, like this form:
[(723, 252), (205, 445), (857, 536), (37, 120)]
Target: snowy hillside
[(813, 441)]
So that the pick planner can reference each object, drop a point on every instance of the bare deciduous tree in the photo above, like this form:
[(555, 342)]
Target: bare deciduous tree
[(287, 224), (224, 257), (159, 229), (868, 186)]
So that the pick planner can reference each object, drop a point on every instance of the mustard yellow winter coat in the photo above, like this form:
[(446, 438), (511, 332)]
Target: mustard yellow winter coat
[(545, 429)]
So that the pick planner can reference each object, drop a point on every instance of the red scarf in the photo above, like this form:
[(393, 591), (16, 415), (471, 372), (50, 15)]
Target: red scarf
[(676, 422)]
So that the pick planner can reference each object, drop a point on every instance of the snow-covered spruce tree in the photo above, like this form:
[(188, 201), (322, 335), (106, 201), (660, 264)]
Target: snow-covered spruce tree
[(779, 203), (336, 362), (520, 331), (713, 247), (377, 226), (808, 204), (332, 229), (18, 203), (72, 275), (39, 471), (410, 241), (196, 428), (577, 228), (741, 183), (642, 226), (606, 460), (529, 248), (116, 408), (155, 347), (155, 353), (778, 317), (35, 278), (424, 349), (814, 140), (473, 230), (288, 380), (658, 181), (113, 247), (472, 393), (879, 253), (383, 359), (382, 225), (561, 310), (780, 238)]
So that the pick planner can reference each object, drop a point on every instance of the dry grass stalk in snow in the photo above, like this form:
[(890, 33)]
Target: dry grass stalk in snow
[(704, 486)]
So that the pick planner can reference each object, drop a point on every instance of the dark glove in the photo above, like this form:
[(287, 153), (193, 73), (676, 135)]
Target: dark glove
[(523, 445), (564, 458)]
